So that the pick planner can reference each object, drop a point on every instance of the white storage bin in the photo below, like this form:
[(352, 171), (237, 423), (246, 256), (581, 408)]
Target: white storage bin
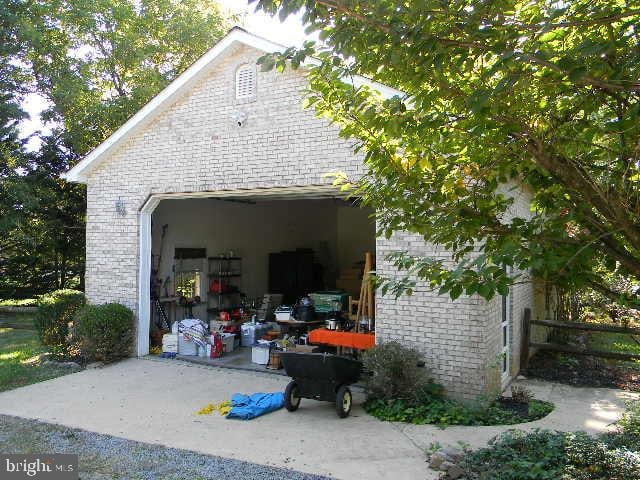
[(186, 347), (228, 342), (260, 354), (216, 325), (170, 343), (170, 338), (283, 313)]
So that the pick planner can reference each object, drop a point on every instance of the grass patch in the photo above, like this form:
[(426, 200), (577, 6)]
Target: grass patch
[(17, 320), (614, 342), (445, 412), (22, 302), (20, 350)]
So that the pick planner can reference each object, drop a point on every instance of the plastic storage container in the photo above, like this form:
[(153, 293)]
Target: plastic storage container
[(170, 343), (228, 342), (330, 301), (260, 354), (283, 313), (251, 333), (186, 347)]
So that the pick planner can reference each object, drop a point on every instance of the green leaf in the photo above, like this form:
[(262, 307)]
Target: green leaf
[(456, 291)]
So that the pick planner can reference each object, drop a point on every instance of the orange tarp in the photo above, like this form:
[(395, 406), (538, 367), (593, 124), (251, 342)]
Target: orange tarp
[(361, 341)]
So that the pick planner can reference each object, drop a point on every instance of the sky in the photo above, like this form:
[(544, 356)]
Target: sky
[(288, 33)]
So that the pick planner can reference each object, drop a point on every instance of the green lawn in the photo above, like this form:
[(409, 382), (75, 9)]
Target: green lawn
[(614, 342), (19, 359), (617, 342), (23, 302)]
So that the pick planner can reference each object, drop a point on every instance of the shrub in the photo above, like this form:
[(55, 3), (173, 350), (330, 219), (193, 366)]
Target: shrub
[(520, 394), (105, 331), (591, 459), (394, 373), (55, 312), (546, 455), (627, 432), (516, 455)]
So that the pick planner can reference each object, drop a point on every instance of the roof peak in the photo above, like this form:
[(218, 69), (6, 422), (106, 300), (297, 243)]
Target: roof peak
[(79, 173)]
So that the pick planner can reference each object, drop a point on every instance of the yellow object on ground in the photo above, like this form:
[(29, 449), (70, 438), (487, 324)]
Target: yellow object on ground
[(155, 350), (208, 410), (223, 408)]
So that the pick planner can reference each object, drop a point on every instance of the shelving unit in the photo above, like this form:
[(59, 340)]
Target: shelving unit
[(222, 269)]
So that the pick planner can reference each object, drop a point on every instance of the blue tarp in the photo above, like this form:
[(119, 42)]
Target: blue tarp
[(247, 407)]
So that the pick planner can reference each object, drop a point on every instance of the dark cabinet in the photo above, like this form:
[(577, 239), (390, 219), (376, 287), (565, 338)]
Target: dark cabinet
[(291, 274)]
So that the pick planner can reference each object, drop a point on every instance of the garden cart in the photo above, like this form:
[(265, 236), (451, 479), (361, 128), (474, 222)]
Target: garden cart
[(320, 376)]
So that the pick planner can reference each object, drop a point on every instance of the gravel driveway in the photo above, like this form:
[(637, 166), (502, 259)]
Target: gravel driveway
[(105, 457)]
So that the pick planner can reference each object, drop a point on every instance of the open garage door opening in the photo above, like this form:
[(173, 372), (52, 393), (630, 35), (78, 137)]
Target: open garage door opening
[(240, 266)]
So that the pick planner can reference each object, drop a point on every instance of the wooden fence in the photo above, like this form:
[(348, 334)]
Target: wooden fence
[(527, 344)]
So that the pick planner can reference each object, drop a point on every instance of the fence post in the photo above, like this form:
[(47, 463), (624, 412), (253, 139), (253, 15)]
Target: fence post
[(525, 340)]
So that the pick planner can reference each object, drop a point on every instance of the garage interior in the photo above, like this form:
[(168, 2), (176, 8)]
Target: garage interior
[(258, 274)]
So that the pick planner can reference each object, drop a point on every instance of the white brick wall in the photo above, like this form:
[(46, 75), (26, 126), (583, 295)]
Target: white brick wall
[(195, 145), (451, 335)]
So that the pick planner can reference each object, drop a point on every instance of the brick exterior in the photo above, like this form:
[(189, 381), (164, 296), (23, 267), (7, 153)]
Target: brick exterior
[(452, 336), (195, 145)]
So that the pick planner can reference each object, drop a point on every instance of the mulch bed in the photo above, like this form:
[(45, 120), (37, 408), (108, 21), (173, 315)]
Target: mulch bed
[(584, 371), (518, 408)]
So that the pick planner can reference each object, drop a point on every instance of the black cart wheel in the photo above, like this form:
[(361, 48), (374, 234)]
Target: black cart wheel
[(343, 402), (291, 397)]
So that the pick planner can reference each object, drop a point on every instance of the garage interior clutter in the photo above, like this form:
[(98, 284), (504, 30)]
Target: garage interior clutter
[(237, 281)]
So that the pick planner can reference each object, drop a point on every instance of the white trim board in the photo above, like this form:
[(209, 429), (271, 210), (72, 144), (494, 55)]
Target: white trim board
[(79, 172), (307, 192), (144, 284)]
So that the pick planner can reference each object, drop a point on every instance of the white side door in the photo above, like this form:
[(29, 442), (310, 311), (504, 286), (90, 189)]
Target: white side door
[(505, 337)]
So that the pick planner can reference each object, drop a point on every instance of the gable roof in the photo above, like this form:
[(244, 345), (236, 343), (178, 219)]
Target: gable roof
[(188, 78)]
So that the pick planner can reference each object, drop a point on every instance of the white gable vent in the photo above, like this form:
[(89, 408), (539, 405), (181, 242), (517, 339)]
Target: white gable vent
[(245, 82)]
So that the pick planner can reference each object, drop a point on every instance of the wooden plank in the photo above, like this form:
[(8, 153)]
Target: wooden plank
[(370, 303), (594, 327), (584, 351)]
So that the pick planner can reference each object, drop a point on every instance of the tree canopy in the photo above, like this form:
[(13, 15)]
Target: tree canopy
[(500, 96), (96, 63), (99, 61)]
